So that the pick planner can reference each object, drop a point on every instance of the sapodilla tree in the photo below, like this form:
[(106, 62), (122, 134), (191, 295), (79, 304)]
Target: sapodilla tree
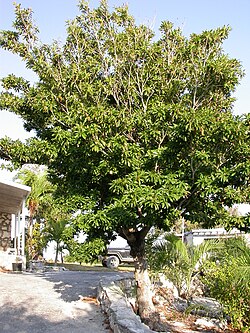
[(139, 128)]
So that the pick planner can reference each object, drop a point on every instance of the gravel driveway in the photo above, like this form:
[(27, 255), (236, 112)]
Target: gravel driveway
[(51, 302)]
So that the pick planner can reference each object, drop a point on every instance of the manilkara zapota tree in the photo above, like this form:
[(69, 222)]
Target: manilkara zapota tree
[(139, 129)]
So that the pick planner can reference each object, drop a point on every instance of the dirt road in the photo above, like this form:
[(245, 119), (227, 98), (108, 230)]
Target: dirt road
[(52, 302)]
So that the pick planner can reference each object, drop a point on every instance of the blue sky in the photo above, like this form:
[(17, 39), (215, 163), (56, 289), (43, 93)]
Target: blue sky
[(193, 16)]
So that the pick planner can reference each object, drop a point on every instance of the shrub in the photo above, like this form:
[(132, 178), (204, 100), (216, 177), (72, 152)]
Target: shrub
[(86, 252), (228, 280), (179, 262)]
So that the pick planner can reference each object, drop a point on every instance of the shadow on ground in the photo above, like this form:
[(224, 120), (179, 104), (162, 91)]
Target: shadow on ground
[(22, 319), (72, 285)]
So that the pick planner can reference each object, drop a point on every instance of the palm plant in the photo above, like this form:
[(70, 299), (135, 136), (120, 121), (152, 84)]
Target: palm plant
[(56, 222), (40, 195), (40, 188), (237, 248), (179, 262)]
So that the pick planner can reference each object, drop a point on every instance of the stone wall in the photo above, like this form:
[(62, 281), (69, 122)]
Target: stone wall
[(113, 301), (5, 231)]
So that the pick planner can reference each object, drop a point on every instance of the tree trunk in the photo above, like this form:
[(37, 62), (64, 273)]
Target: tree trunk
[(61, 256), (144, 291), (29, 238), (57, 250), (136, 241)]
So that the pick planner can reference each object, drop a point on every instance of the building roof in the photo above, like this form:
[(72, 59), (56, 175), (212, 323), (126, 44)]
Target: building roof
[(11, 196)]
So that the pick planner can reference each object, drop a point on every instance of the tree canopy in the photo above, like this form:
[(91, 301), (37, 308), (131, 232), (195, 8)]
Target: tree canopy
[(137, 131)]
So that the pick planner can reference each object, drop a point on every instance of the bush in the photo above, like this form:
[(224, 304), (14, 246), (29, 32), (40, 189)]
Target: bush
[(228, 280), (69, 259), (86, 252)]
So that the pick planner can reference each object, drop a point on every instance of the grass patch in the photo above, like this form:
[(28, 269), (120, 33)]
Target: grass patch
[(92, 267)]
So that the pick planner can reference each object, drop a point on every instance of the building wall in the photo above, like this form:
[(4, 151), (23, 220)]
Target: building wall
[(8, 255), (5, 231), (197, 236)]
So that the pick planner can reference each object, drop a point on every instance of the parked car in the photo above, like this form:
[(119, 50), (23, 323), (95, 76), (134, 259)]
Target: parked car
[(116, 256)]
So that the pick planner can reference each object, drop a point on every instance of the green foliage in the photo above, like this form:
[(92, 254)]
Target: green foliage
[(38, 201), (225, 266), (36, 243), (49, 218), (86, 252), (228, 280), (57, 223), (41, 188), (140, 132), (179, 262)]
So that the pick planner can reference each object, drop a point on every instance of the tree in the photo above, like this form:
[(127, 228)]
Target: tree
[(37, 201), (139, 131), (37, 179), (43, 207), (56, 221)]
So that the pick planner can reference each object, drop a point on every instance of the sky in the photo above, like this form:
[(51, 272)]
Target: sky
[(192, 16)]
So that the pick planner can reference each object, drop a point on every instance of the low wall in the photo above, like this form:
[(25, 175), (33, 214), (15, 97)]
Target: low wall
[(114, 303), (8, 258)]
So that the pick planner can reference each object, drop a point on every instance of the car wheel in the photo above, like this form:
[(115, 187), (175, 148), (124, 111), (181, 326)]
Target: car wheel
[(113, 262), (104, 262)]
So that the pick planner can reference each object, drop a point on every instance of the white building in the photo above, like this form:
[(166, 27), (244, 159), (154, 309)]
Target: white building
[(197, 236), (12, 225)]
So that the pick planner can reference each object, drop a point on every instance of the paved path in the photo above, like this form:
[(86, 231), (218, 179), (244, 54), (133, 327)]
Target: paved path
[(51, 302)]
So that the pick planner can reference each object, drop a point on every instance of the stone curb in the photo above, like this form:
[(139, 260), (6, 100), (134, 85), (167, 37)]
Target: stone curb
[(122, 318)]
